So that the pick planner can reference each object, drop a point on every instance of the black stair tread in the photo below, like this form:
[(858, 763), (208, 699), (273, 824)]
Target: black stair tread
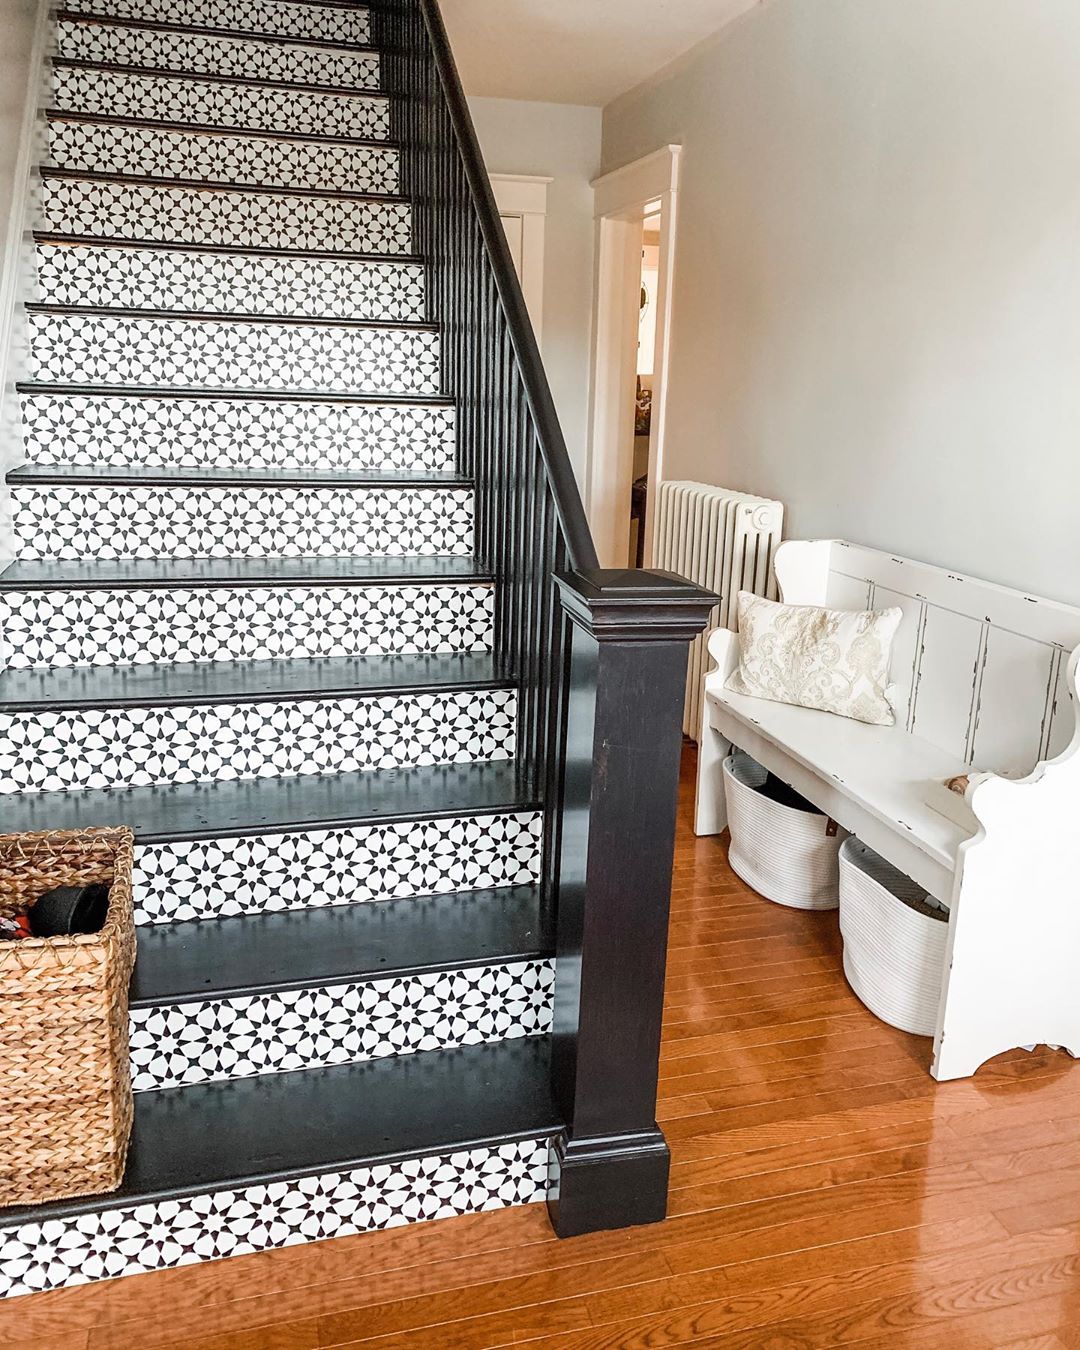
[(150, 573), (229, 395), (228, 250), (213, 129), (191, 682), (306, 948), (240, 35), (357, 5), (271, 805), (215, 77), (111, 475), (192, 1140), (198, 316), (208, 185), (166, 73)]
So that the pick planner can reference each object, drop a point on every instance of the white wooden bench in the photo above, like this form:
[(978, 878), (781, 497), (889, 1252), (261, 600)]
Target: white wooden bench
[(987, 686)]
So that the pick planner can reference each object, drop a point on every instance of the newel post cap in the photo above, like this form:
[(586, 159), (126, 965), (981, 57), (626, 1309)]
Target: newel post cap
[(628, 605)]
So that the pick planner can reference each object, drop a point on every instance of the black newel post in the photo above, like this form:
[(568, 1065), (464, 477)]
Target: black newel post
[(626, 654)]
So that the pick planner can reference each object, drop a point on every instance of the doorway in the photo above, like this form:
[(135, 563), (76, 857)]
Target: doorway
[(636, 216), (640, 500), (521, 200)]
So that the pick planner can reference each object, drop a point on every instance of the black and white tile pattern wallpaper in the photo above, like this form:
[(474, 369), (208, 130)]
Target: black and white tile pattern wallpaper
[(236, 433), (231, 353), (325, 22), (202, 54), (147, 626), (229, 283), (213, 157), (102, 1245), (121, 747), (360, 864), (61, 522), (216, 1040), (212, 103), (163, 214)]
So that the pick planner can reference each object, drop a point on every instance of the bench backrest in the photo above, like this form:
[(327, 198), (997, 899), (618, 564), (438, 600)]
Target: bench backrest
[(980, 669)]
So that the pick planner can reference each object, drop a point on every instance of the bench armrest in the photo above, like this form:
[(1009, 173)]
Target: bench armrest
[(724, 650), (990, 795)]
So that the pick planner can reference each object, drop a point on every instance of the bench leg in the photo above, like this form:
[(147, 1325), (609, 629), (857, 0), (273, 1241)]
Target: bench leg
[(961, 1056), (710, 816)]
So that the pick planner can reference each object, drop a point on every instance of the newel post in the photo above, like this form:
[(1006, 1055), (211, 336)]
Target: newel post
[(627, 651)]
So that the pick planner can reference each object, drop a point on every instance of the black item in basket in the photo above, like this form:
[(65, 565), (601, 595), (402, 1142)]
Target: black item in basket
[(777, 791), (70, 909)]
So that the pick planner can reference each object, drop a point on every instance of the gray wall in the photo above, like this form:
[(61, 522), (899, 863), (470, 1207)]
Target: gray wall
[(560, 141), (877, 305)]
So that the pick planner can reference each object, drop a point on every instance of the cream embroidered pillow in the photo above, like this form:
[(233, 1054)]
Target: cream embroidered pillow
[(833, 659)]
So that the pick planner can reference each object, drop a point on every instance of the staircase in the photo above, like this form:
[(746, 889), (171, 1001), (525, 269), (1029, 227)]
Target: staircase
[(282, 601)]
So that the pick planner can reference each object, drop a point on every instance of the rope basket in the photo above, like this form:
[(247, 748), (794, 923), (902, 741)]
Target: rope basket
[(786, 854), (65, 1080)]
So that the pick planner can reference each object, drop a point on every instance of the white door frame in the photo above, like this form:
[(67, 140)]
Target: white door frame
[(623, 198), (524, 197)]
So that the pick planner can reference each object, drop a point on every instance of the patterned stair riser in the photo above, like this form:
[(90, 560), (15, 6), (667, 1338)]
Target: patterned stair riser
[(211, 103), (223, 433), (224, 283), (132, 1240), (42, 628), (214, 1041), (354, 864), (153, 214), (218, 158), (106, 349), (203, 54), (96, 748), (322, 22), (58, 523)]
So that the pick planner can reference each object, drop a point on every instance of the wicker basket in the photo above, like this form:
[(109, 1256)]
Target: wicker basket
[(65, 1080), (894, 940), (788, 855)]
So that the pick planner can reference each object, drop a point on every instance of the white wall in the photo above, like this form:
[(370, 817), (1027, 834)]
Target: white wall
[(17, 19), (18, 24), (877, 302), (561, 141)]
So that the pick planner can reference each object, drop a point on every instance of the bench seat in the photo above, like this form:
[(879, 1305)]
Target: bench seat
[(878, 782)]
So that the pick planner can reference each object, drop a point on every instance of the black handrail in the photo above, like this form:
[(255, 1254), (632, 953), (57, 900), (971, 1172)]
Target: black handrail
[(598, 658), (581, 550), (529, 520)]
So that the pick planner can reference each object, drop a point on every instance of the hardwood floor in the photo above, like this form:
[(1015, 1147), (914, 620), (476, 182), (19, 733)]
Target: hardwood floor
[(825, 1192)]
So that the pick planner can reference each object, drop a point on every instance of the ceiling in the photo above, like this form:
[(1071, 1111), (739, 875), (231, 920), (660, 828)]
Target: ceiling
[(575, 51)]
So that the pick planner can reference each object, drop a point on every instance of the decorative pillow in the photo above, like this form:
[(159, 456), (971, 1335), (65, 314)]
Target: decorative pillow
[(833, 659)]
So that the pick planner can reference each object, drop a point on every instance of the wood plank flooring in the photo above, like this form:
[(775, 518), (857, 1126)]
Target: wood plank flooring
[(825, 1193)]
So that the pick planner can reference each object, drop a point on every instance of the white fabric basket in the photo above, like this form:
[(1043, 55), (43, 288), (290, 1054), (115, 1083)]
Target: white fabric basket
[(894, 940), (785, 854)]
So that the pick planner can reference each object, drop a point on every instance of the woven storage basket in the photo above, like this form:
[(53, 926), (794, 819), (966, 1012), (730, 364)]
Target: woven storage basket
[(65, 1080), (894, 940), (787, 855)]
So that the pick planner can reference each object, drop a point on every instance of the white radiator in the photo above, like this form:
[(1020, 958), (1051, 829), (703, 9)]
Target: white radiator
[(722, 540)]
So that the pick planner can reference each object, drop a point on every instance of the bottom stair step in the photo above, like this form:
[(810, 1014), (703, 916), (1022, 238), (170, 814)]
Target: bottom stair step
[(229, 1168)]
